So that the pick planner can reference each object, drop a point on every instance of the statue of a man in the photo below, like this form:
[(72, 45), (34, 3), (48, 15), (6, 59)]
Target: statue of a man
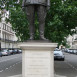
[(40, 7)]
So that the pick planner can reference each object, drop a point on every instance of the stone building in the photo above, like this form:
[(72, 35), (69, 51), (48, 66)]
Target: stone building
[(7, 35), (72, 41)]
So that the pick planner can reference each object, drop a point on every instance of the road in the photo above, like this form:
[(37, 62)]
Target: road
[(11, 66), (67, 68)]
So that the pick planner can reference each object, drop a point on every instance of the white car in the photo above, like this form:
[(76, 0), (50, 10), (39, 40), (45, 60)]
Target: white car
[(58, 55), (5, 52), (75, 51)]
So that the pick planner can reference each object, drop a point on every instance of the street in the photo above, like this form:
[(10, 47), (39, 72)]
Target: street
[(67, 68), (11, 66)]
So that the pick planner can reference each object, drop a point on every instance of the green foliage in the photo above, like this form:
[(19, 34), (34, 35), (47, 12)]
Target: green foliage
[(61, 18), (19, 23)]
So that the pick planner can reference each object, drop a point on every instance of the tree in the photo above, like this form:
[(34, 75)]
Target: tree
[(61, 18)]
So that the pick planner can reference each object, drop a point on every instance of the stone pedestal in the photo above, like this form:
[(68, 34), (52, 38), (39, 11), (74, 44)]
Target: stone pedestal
[(37, 59)]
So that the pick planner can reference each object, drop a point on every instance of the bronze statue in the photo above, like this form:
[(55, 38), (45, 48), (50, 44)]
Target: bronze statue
[(39, 6)]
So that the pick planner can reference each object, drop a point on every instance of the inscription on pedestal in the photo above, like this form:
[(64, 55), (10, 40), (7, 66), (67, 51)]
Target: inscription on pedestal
[(37, 64)]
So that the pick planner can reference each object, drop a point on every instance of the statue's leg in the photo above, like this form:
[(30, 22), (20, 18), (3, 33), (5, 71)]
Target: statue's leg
[(41, 18), (30, 17)]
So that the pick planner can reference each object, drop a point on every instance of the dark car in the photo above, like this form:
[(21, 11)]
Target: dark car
[(15, 51), (0, 54), (19, 51), (58, 55)]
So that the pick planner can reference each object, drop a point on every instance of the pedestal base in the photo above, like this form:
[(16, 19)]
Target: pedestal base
[(37, 59)]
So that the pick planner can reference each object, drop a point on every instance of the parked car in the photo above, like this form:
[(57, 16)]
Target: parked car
[(70, 51), (58, 55), (5, 52), (66, 50), (0, 54), (20, 51), (10, 51), (75, 51), (15, 51)]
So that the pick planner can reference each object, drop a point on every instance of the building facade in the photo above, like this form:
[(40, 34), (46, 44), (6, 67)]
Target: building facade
[(7, 35), (72, 41)]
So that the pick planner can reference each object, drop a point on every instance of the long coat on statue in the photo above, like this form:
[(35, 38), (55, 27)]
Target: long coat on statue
[(38, 6), (42, 2)]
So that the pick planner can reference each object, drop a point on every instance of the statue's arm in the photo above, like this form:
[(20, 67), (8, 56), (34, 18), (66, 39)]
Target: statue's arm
[(23, 3)]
